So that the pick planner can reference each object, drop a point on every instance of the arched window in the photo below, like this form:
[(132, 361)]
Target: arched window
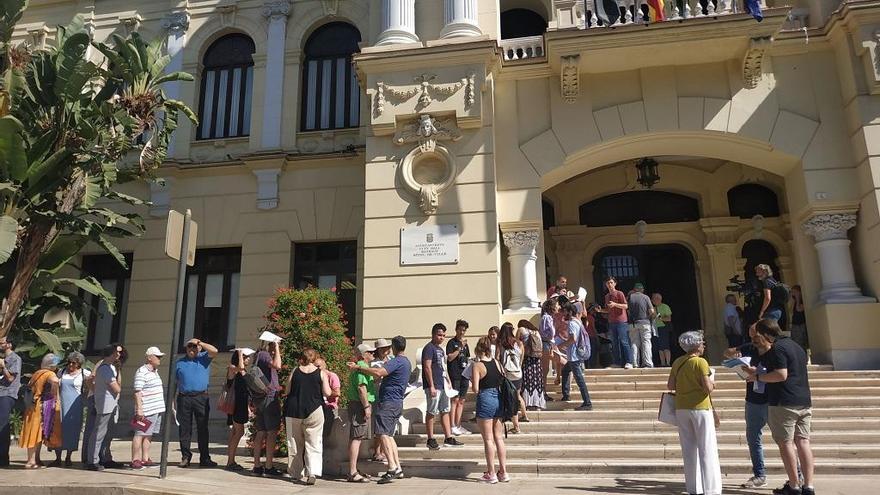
[(227, 85), (331, 96), (629, 207), (748, 200), (521, 23)]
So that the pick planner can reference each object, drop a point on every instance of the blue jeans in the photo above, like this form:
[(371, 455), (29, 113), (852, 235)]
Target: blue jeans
[(576, 368), (756, 418), (620, 344), (773, 314)]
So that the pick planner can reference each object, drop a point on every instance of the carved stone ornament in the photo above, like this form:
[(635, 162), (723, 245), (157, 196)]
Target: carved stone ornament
[(331, 7), (427, 90), (570, 78), (753, 60), (37, 37), (176, 22), (276, 10), (227, 14), (641, 231), (521, 240), (758, 226), (827, 226), (427, 130)]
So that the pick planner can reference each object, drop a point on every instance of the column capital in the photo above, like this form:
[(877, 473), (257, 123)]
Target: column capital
[(176, 22), (276, 10), (827, 226), (521, 239)]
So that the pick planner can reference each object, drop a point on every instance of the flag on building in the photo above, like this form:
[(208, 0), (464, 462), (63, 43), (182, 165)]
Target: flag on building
[(754, 8), (607, 11), (655, 11)]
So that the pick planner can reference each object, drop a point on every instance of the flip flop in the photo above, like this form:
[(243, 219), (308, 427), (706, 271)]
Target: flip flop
[(357, 478)]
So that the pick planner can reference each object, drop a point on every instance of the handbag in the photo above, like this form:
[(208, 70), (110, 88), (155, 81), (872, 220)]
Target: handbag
[(140, 424), (226, 404), (666, 413)]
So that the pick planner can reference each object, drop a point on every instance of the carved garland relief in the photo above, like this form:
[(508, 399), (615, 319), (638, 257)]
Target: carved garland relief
[(427, 90)]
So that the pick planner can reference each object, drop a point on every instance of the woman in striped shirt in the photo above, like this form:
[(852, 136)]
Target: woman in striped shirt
[(149, 404)]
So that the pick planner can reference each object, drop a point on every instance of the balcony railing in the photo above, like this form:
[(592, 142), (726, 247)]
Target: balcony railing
[(518, 49), (672, 10)]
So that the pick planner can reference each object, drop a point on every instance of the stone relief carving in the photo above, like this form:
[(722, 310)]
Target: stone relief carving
[(427, 90), (427, 130), (227, 14), (827, 226), (641, 231), (176, 22), (570, 78), (520, 239), (276, 10), (758, 226), (331, 7), (753, 60)]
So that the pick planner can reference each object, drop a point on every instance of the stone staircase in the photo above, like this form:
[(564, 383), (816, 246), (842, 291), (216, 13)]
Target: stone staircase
[(622, 437)]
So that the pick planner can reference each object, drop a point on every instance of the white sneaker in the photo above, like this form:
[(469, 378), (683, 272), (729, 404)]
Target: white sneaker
[(755, 482), (627, 366), (460, 430)]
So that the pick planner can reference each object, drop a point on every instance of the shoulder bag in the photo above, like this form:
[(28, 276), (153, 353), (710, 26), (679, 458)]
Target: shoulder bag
[(666, 413)]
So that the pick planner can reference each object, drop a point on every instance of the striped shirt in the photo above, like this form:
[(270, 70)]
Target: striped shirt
[(148, 382)]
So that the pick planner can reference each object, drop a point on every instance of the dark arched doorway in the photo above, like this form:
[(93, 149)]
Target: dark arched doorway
[(757, 252), (665, 268)]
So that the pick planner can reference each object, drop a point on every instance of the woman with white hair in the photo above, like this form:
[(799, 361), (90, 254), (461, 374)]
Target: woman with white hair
[(42, 418), (692, 381), (72, 377)]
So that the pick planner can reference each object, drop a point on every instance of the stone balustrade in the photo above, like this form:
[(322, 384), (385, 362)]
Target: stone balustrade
[(636, 11), (528, 48)]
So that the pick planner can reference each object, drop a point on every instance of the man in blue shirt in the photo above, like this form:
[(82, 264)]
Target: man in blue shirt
[(10, 383), (193, 372), (389, 403)]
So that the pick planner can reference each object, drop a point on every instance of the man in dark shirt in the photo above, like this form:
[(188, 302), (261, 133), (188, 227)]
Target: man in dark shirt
[(773, 303), (434, 384), (790, 405), (457, 355)]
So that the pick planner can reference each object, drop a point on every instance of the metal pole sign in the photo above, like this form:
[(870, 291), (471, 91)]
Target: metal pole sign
[(180, 244)]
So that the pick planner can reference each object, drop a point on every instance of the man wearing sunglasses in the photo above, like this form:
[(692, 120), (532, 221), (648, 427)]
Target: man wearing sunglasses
[(193, 372)]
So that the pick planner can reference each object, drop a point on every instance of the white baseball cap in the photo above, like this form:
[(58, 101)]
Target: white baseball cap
[(154, 351), (365, 347)]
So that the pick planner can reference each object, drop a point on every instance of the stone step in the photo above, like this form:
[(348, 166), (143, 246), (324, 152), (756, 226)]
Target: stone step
[(738, 392), (596, 453), (653, 402), (670, 437), (730, 383)]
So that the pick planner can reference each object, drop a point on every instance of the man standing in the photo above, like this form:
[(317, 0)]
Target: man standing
[(641, 312), (149, 405), (618, 329), (10, 383), (733, 328), (360, 392), (663, 323), (193, 372), (559, 289), (457, 355), (790, 405), (389, 404), (107, 388), (267, 410), (433, 359)]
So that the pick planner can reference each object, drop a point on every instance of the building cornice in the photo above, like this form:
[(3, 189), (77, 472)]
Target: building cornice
[(439, 53)]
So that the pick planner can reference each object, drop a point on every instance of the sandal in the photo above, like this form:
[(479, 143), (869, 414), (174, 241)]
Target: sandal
[(357, 478), (32, 466), (513, 431), (378, 458)]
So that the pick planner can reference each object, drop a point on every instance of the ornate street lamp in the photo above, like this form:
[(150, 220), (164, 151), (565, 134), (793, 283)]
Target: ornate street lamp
[(648, 174)]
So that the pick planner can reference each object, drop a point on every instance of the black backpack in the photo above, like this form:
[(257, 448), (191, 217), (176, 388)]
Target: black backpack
[(508, 398), (780, 292), (257, 384)]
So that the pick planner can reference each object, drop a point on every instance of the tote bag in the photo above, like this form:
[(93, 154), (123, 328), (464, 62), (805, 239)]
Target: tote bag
[(666, 413)]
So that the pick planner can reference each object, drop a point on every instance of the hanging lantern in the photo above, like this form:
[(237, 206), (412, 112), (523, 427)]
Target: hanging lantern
[(648, 173)]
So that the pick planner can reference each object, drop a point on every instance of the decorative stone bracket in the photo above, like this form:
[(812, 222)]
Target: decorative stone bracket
[(267, 188), (131, 23), (569, 14), (570, 78), (427, 90), (754, 60), (38, 36), (866, 47), (160, 196), (428, 169), (176, 22), (331, 7)]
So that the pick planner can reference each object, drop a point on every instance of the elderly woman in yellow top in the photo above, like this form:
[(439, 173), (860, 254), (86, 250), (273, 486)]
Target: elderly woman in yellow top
[(42, 419), (692, 381)]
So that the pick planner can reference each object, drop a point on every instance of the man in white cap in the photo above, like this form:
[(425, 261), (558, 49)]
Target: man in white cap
[(361, 393), (149, 405)]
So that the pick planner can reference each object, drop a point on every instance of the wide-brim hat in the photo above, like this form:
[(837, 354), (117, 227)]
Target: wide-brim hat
[(380, 343)]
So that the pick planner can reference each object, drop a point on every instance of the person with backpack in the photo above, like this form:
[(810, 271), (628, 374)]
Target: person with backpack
[(510, 353), (267, 408), (486, 383), (577, 350), (776, 294), (533, 381)]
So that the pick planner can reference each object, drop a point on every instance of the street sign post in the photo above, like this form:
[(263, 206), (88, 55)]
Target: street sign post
[(180, 244)]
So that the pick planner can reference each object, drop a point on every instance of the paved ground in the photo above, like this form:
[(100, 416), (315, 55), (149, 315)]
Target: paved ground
[(74, 481)]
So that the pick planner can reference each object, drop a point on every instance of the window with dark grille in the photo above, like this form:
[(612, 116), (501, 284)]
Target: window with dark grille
[(227, 85), (620, 267), (331, 96), (210, 302), (329, 265), (748, 200), (105, 328)]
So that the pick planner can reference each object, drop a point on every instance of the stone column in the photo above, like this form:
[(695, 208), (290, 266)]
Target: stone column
[(835, 259), (521, 243), (461, 19), (176, 23), (273, 102), (398, 22)]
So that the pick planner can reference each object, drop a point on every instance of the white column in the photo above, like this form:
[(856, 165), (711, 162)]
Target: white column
[(276, 12), (835, 259), (398, 22), (521, 255), (176, 23), (461, 19)]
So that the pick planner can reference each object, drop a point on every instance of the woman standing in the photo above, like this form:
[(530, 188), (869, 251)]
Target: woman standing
[(306, 388), (511, 355), (549, 311), (235, 383), (42, 419), (487, 378), (533, 381), (692, 381), (71, 390), (798, 318)]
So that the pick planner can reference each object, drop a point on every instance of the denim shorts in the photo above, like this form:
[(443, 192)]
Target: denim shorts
[(386, 415), (437, 405), (488, 406)]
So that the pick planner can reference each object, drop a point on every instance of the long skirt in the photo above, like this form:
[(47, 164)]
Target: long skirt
[(533, 383)]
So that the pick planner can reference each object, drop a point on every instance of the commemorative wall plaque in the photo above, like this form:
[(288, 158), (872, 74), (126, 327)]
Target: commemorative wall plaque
[(429, 245)]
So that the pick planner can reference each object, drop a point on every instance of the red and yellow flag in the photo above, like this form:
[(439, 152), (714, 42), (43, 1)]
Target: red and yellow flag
[(655, 11)]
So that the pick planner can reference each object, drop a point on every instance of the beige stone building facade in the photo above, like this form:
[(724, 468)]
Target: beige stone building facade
[(334, 131)]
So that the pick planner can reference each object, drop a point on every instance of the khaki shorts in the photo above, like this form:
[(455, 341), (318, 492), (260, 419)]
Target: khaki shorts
[(788, 423)]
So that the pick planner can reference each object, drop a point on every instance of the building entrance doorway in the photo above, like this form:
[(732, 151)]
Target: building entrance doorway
[(665, 268)]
